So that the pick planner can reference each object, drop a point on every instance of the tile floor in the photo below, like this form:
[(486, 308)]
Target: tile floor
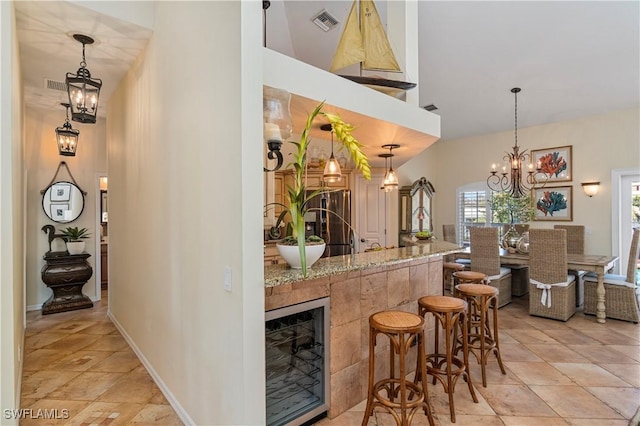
[(573, 373)]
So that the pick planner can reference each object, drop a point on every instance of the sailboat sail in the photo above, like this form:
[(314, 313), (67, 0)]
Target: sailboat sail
[(364, 41), (378, 53), (350, 48)]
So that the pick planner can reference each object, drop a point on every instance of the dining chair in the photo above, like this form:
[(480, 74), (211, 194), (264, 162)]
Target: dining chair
[(485, 258), (575, 245), (551, 289), (451, 264), (449, 235), (621, 292)]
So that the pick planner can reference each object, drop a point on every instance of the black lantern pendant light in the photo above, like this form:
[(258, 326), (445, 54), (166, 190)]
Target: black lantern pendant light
[(390, 178), (67, 137), (83, 90), (332, 172)]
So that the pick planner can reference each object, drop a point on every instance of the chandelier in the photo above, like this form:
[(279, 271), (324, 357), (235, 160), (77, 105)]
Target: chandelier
[(510, 180), (83, 90), (67, 137)]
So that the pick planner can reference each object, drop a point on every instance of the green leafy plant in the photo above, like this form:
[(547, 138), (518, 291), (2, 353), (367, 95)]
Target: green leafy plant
[(423, 234), (297, 196), (72, 234), (509, 209)]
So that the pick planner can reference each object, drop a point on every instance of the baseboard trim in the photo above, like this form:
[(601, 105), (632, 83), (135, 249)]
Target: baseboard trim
[(154, 375)]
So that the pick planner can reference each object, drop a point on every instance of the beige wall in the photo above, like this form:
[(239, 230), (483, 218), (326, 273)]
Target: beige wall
[(600, 144), (11, 216), (184, 141), (41, 161)]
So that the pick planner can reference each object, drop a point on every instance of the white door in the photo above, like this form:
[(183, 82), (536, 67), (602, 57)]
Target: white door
[(625, 185), (371, 217)]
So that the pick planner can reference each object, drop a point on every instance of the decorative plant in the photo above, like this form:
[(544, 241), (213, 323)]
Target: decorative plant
[(509, 209), (297, 196), (72, 234)]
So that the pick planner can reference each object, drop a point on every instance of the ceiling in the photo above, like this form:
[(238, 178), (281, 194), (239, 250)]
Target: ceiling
[(571, 59)]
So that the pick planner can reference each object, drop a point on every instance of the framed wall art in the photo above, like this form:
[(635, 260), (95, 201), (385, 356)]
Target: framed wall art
[(60, 191), (553, 203), (59, 212), (555, 162)]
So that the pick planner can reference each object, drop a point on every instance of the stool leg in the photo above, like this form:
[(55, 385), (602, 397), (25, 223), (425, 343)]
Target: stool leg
[(449, 354), (496, 350), (421, 375), (465, 352), (368, 412)]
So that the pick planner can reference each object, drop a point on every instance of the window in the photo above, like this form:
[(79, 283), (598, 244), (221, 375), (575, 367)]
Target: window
[(473, 209)]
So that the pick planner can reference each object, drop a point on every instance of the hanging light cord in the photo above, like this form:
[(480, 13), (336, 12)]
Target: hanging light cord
[(516, 116)]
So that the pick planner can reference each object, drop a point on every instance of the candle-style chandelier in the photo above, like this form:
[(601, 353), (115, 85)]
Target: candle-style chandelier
[(512, 181), (67, 137), (83, 90)]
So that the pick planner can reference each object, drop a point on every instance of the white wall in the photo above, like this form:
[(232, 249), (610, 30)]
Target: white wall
[(600, 143), (41, 161), (11, 216), (184, 142)]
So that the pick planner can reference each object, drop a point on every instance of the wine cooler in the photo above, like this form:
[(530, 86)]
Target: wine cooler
[(297, 367)]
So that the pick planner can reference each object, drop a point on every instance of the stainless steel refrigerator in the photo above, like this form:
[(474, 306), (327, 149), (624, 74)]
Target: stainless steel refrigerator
[(332, 221)]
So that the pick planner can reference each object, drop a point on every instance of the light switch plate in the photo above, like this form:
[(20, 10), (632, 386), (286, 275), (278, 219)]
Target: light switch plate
[(227, 280)]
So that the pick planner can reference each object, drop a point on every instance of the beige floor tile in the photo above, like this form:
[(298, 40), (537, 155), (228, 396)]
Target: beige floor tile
[(349, 418), (492, 370), (589, 375), (624, 400), (531, 336), (73, 342), (610, 336), (630, 373), (43, 382), (107, 413), (601, 354), (568, 336), (517, 352), (596, 422), (516, 400), (159, 399), (632, 352), (102, 327), (79, 361), (59, 412), (538, 373), (555, 352), (42, 358), (574, 401), (40, 340), (118, 362), (533, 421), (462, 401), (109, 342), (70, 327), (157, 414), (138, 388), (86, 386), (465, 419)]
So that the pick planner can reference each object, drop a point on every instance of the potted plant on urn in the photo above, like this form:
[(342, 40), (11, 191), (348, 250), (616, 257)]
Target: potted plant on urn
[(74, 237), (298, 197)]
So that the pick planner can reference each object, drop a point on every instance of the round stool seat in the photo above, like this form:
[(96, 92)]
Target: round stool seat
[(453, 266), (477, 290), (470, 277), (396, 322), (442, 303)]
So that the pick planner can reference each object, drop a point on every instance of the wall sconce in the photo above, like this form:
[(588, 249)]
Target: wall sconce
[(590, 188), (67, 137), (277, 122), (83, 90)]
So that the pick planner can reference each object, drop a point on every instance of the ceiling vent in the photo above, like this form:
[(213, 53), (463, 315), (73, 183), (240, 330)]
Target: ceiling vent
[(55, 85), (430, 107), (325, 20)]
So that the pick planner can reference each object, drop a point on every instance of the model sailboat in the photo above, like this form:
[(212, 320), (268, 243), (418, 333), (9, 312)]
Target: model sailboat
[(364, 41)]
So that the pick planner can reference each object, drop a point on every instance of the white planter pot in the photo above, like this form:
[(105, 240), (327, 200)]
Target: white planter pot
[(75, 247), (291, 254)]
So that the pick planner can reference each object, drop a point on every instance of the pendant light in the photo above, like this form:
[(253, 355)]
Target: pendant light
[(390, 178), (332, 172), (83, 90), (67, 137)]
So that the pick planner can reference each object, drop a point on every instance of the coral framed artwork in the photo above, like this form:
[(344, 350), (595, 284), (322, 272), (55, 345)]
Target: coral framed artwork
[(554, 203), (556, 162)]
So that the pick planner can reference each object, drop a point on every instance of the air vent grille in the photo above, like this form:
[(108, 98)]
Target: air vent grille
[(430, 107), (325, 20), (55, 85)]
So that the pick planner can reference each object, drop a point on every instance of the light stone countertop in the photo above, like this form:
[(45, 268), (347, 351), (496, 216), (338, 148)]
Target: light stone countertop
[(275, 275)]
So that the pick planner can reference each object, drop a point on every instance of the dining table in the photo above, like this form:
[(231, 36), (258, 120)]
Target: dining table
[(599, 264)]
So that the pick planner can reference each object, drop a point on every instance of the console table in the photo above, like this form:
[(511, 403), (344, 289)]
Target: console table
[(65, 274)]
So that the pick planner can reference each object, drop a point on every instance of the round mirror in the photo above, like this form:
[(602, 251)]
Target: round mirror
[(63, 202)]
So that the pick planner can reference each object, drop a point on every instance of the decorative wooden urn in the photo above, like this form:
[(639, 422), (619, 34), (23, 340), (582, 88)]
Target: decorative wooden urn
[(66, 274)]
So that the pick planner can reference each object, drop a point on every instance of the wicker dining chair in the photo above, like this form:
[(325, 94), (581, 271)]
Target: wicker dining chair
[(575, 245), (451, 263), (622, 293), (485, 258), (551, 290)]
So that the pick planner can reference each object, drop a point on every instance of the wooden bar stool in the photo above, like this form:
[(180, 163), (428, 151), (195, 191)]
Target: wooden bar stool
[(448, 268), (402, 329), (447, 367), (468, 277), (482, 340)]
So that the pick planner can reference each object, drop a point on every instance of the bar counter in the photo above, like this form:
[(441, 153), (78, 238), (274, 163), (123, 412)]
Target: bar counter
[(358, 286)]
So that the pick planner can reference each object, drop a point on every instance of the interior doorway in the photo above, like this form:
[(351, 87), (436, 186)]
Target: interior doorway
[(102, 235), (625, 197)]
